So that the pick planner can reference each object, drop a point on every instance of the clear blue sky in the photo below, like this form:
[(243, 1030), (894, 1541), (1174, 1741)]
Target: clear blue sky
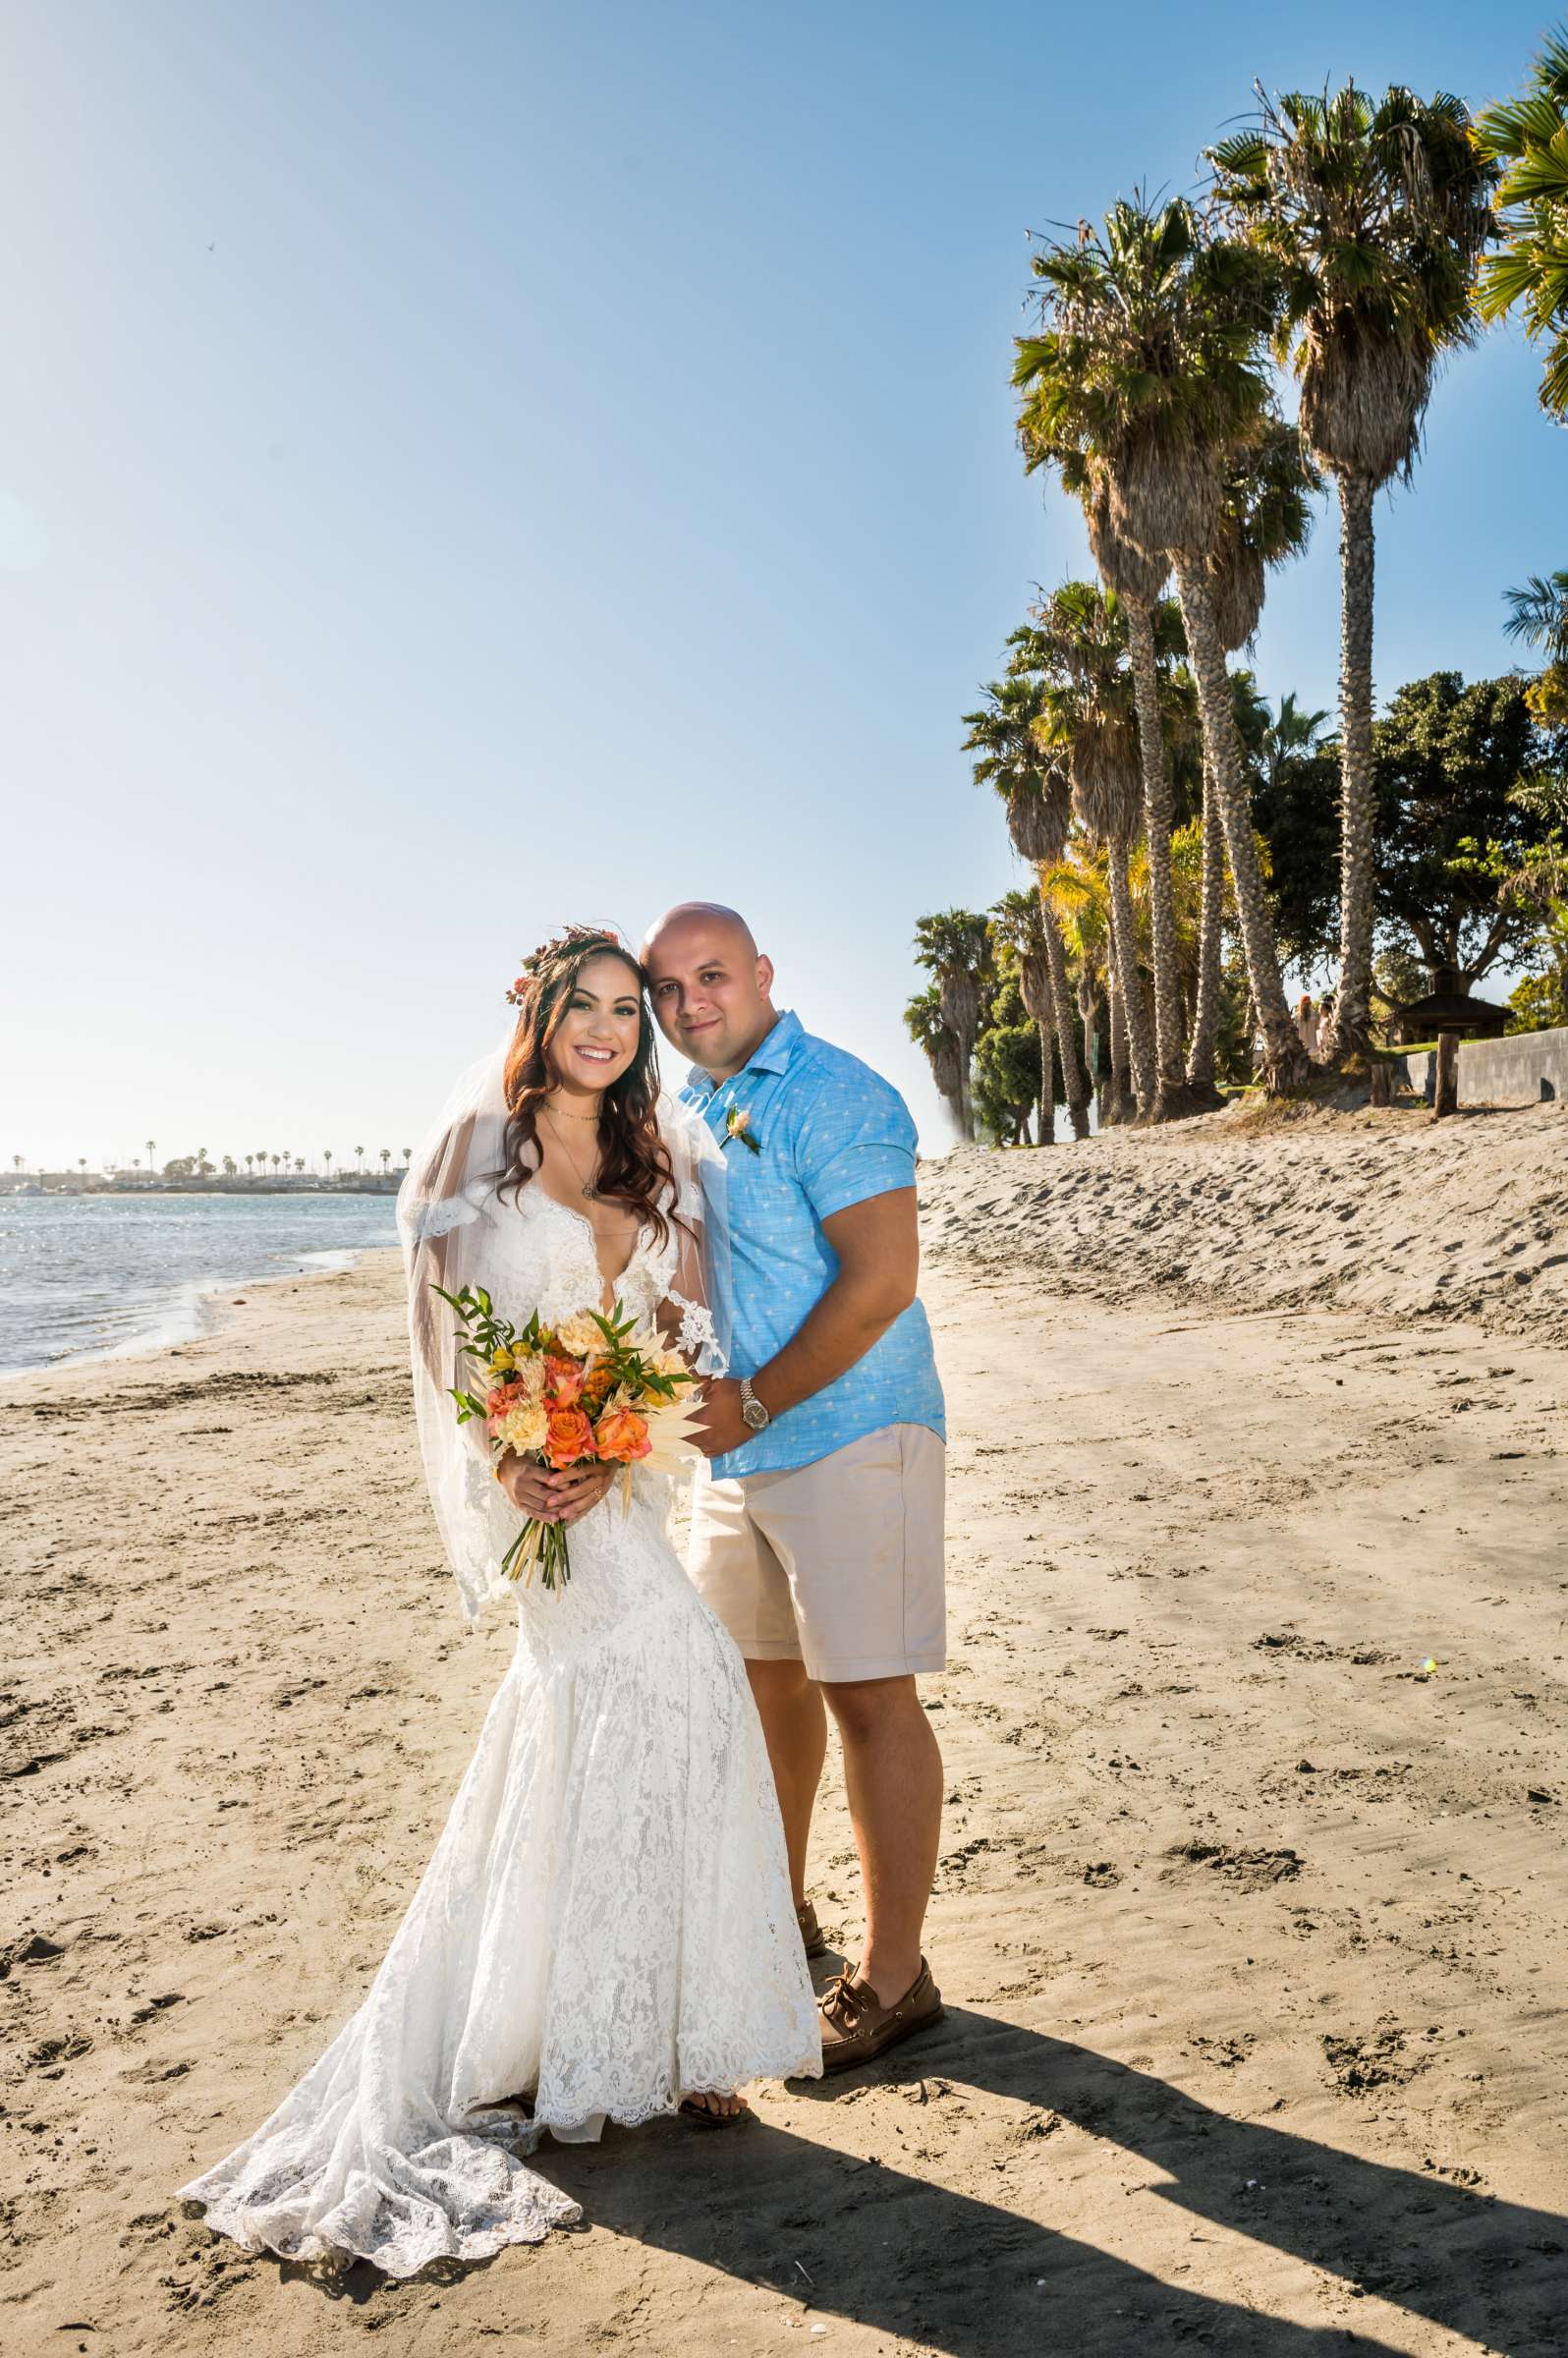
[(467, 467)]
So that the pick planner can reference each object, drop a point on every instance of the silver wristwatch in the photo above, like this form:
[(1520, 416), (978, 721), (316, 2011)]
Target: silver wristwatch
[(751, 1409)]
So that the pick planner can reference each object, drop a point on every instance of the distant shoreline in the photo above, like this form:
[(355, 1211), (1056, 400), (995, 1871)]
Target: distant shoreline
[(53, 1184)]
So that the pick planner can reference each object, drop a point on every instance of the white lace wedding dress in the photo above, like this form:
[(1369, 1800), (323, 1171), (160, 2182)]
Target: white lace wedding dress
[(606, 1924)]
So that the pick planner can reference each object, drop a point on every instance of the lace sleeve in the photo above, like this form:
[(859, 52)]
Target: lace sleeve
[(696, 1291), (443, 1229)]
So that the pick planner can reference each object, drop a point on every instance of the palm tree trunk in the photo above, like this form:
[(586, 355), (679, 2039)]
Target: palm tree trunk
[(1089, 1009), (1048, 1085), (1349, 1036), (1073, 1073), (1134, 1007), (1286, 1066), (1210, 925), (1171, 1095), (1117, 1104)]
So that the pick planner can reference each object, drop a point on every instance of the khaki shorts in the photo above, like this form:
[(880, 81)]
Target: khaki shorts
[(838, 1564)]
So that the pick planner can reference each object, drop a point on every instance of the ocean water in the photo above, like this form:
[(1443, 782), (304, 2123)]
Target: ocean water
[(87, 1275)]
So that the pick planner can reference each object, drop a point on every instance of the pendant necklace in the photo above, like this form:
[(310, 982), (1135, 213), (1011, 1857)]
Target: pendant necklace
[(590, 1192)]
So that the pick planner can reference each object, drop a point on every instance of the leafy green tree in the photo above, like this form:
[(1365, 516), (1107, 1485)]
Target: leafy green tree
[(1456, 821), (1540, 1002), (1294, 802), (1377, 213), (1539, 886), (1008, 1066), (1525, 139)]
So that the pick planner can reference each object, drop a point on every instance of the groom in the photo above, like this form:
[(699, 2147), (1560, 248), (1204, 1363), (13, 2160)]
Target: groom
[(817, 1537)]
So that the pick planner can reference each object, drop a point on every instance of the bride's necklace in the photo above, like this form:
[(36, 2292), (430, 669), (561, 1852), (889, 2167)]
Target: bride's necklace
[(590, 1192)]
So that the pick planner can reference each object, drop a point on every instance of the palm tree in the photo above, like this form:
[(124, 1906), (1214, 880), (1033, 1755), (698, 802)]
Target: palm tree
[(249, 1165), (1036, 791), (407, 1158), (359, 1157), (1077, 892), (1151, 368), (276, 1160), (1289, 734), (924, 1024), (1091, 713), (1528, 139), (299, 1162), (1018, 923), (153, 1147), (1266, 518), (229, 1166), (1376, 214), (386, 1157), (326, 1158), (1052, 433), (1537, 616), (956, 946)]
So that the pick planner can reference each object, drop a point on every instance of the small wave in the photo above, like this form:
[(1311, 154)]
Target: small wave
[(76, 1312)]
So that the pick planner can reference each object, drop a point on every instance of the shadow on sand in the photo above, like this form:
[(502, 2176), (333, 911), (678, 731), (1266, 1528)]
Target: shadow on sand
[(962, 2275)]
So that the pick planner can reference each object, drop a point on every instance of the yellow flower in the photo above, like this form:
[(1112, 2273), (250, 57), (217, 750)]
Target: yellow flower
[(580, 1336), (522, 1427), (501, 1361)]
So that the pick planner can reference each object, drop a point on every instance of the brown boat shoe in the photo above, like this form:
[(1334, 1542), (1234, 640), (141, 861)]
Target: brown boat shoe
[(856, 2027), (813, 1937)]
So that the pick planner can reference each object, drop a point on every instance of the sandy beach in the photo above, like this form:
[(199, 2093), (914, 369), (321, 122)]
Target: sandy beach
[(1251, 1903)]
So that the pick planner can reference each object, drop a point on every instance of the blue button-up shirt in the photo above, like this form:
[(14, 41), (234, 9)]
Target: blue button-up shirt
[(829, 1133)]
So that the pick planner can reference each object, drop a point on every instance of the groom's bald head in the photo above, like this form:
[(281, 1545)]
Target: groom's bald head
[(710, 986), (710, 918)]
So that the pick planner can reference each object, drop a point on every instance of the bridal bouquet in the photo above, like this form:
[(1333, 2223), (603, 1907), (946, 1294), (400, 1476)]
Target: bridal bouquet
[(591, 1389)]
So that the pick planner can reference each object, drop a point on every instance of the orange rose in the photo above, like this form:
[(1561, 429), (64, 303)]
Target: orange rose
[(568, 1437), (623, 1435), (563, 1381)]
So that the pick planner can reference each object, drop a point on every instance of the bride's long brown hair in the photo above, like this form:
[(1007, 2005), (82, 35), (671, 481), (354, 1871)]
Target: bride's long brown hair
[(635, 1166)]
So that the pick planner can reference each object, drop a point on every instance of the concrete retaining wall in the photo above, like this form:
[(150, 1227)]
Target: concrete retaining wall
[(1522, 1070)]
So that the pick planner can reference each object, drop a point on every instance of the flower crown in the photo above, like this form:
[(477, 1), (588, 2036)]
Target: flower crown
[(548, 953)]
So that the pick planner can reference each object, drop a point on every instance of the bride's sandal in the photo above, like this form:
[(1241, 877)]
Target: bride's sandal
[(702, 2116)]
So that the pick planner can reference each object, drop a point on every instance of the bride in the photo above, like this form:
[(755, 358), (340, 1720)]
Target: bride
[(606, 1930)]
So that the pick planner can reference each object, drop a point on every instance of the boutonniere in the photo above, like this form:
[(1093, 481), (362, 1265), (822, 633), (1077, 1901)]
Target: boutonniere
[(738, 1123)]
